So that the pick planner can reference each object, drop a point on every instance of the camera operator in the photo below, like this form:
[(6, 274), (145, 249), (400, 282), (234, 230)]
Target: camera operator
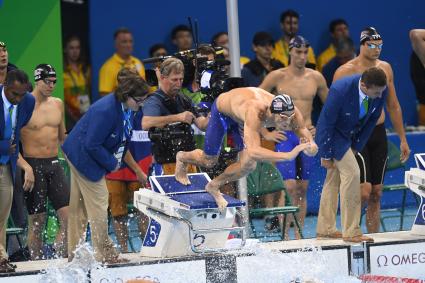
[(168, 106)]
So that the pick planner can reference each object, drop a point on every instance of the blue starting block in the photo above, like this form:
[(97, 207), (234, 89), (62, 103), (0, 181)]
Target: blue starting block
[(414, 179), (184, 219)]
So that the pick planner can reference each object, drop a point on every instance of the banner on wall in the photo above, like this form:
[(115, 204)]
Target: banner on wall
[(32, 32)]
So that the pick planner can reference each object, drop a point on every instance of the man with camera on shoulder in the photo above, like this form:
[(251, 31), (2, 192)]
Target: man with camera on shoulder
[(168, 115)]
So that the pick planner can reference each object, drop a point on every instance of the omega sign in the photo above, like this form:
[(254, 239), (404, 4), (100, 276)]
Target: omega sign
[(403, 259)]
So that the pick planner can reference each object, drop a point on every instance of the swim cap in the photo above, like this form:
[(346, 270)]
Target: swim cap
[(43, 71), (298, 41), (369, 33), (282, 103)]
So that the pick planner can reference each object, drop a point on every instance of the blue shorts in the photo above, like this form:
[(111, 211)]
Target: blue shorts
[(300, 167), (218, 125)]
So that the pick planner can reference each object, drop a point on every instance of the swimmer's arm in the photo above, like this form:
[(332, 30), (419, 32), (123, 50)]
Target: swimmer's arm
[(322, 89), (252, 142), (29, 178), (394, 109), (62, 129), (417, 38), (341, 72), (270, 80), (303, 133), (129, 160)]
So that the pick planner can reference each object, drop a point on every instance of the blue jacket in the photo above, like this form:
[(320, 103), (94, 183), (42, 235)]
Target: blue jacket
[(91, 144), (25, 109), (339, 127)]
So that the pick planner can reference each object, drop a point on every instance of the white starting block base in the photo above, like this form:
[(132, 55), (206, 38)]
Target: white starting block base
[(184, 220), (414, 179)]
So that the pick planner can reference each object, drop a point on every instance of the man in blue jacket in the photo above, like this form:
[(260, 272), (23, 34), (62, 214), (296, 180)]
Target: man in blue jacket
[(96, 146), (16, 108), (347, 120)]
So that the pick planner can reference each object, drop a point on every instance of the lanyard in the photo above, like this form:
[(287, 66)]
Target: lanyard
[(127, 122)]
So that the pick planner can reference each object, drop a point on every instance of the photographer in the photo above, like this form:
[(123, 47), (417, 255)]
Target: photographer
[(168, 106)]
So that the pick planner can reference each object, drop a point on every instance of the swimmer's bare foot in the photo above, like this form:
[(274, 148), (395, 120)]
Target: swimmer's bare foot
[(181, 170), (218, 197)]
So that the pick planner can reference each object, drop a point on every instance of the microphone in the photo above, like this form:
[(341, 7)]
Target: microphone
[(155, 59)]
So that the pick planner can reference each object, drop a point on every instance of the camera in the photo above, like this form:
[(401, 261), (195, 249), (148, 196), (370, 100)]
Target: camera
[(212, 76), (169, 140)]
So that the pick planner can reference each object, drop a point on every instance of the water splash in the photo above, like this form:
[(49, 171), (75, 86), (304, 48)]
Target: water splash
[(74, 271), (307, 265)]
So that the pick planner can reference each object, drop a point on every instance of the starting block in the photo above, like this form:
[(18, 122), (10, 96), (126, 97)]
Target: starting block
[(184, 220), (414, 179)]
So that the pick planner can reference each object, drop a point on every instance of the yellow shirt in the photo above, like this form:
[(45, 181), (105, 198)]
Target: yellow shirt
[(109, 71), (76, 90), (243, 60), (325, 57), (281, 53)]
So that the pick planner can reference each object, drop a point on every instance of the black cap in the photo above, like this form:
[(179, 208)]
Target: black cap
[(282, 103), (262, 38), (43, 71), (369, 33), (298, 41)]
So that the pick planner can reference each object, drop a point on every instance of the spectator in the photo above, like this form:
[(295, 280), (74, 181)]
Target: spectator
[(254, 72), (76, 82), (158, 50), (181, 37), (41, 139), (15, 98), (289, 24), (338, 29), (93, 149), (121, 59), (221, 39), (417, 70), (345, 51)]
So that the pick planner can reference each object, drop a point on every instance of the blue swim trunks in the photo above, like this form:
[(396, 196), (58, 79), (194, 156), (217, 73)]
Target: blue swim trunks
[(218, 125), (300, 167)]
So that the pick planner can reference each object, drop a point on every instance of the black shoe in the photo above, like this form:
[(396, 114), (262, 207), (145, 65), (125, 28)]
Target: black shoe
[(6, 267), (271, 224)]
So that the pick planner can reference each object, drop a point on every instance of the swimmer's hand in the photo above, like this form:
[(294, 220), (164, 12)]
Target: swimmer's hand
[(276, 136), (294, 152), (312, 150), (29, 179)]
